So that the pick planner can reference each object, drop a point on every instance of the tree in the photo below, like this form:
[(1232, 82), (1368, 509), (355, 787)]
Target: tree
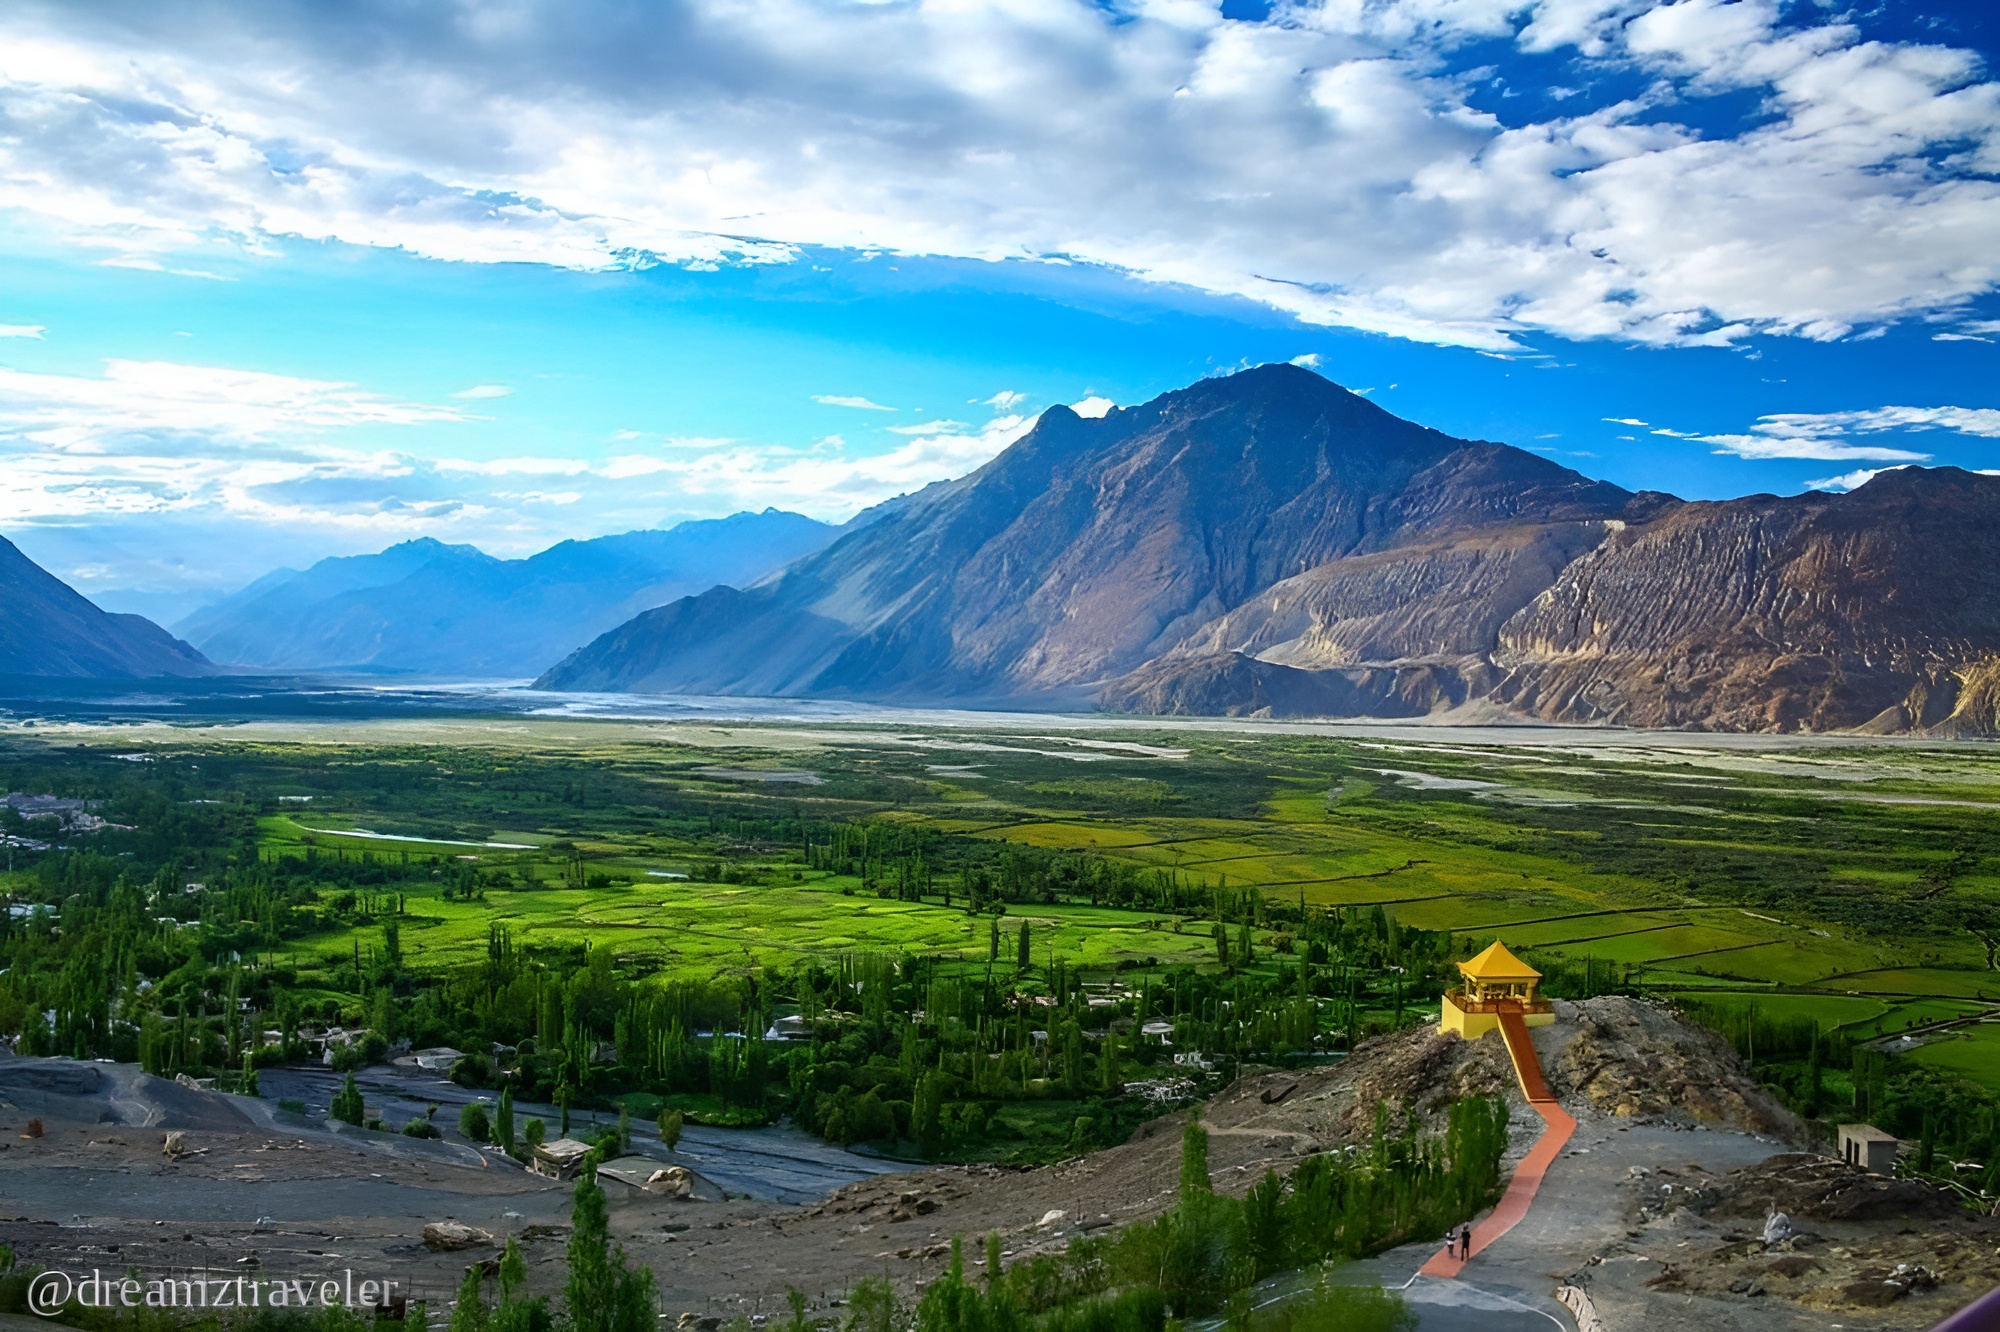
[(472, 1123), (927, 1113), (347, 1105), (670, 1128), (516, 1313), (1194, 1160), (503, 1120), (603, 1293), (469, 1314), (1023, 956), (249, 1084), (534, 1132), (872, 1307)]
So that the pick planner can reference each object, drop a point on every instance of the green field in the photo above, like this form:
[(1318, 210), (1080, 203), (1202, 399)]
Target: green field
[(1852, 882), (1971, 1052)]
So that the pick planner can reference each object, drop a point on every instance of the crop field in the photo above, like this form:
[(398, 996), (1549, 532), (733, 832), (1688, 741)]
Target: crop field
[(1972, 1052), (1854, 882)]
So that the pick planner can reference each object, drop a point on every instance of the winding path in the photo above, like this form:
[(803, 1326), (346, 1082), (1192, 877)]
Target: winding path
[(1527, 1180)]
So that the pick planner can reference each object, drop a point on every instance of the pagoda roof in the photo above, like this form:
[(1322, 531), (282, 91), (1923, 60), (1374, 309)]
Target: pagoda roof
[(1496, 963)]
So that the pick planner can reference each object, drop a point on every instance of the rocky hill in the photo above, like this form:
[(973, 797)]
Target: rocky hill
[(48, 628), (1270, 544)]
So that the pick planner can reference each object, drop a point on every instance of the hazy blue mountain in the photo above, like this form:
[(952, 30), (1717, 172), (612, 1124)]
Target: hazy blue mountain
[(430, 608), (48, 628)]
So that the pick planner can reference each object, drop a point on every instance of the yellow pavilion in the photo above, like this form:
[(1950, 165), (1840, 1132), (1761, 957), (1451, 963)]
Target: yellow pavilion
[(1496, 982)]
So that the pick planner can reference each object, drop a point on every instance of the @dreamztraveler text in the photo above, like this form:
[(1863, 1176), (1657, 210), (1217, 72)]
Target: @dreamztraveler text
[(50, 1291)]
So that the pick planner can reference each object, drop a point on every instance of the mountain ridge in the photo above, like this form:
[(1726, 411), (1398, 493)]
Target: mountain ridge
[(425, 606), (1269, 543)]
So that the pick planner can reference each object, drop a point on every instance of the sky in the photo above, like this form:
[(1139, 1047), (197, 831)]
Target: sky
[(283, 280)]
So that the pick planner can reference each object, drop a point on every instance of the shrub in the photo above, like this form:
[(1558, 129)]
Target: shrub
[(472, 1123)]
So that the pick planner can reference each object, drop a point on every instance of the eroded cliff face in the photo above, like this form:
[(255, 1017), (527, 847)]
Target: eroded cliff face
[(1876, 611), (1815, 612)]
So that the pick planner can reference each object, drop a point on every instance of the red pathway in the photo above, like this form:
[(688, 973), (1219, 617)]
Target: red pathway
[(1527, 1181)]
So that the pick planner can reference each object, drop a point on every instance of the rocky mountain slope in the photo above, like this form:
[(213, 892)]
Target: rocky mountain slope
[(1268, 543), (48, 628), (1092, 547), (429, 607)]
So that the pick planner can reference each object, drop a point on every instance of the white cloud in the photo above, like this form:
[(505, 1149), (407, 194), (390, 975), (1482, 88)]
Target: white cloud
[(22, 330), (1763, 447), (1092, 406), (148, 397), (1310, 360), (485, 391), (1849, 480), (1328, 162), (514, 466), (845, 400), (1631, 421), (1824, 435), (1006, 400), (945, 427), (1980, 421)]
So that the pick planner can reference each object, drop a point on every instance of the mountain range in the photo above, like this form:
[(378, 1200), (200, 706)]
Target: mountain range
[(426, 607), (1268, 543), (47, 628)]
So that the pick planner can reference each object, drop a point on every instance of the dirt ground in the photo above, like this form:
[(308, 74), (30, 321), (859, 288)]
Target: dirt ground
[(1658, 1105)]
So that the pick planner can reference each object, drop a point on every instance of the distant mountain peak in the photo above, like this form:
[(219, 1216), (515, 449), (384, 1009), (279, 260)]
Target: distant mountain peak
[(425, 606)]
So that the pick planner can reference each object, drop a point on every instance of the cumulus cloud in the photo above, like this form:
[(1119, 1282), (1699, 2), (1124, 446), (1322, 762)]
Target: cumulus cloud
[(847, 400), (1092, 406), (1310, 360), (1331, 161)]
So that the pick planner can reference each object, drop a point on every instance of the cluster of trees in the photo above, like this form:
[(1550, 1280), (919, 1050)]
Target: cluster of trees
[(175, 945), (918, 1051)]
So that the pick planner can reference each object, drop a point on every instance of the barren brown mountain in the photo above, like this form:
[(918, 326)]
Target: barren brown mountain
[(1271, 543)]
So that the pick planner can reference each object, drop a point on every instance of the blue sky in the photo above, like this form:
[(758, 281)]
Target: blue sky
[(276, 285)]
